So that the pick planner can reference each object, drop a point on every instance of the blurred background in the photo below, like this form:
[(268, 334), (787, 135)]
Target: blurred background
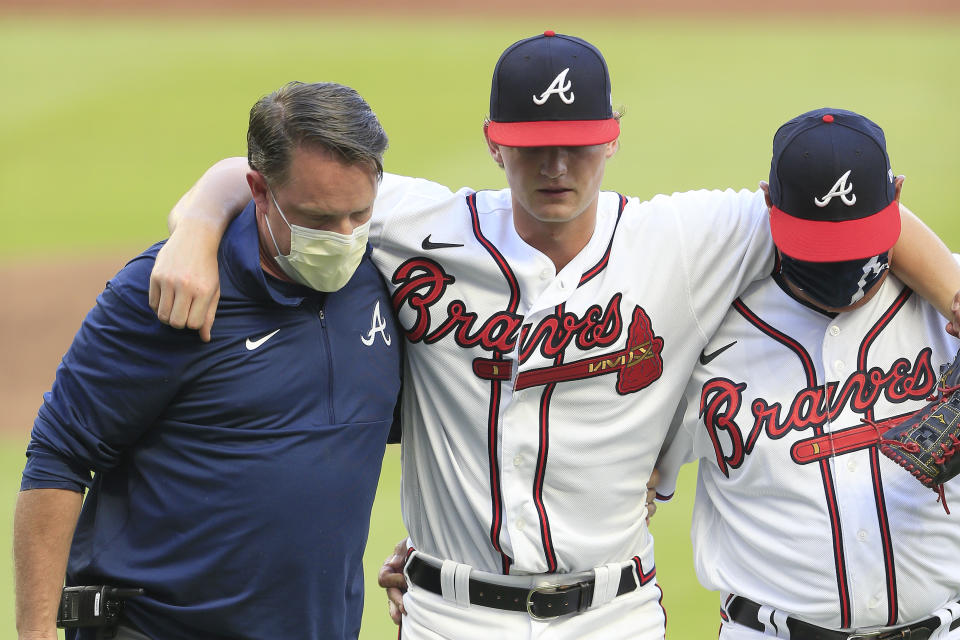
[(110, 110)]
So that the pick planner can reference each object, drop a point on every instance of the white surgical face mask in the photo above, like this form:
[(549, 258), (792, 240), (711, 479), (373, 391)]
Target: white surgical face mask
[(321, 260)]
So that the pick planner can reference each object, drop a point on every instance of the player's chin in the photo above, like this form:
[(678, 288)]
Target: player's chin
[(556, 209)]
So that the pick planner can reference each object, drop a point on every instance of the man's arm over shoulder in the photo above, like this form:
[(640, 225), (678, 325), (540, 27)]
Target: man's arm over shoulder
[(185, 283), (185, 286), (922, 261), (725, 244), (401, 194)]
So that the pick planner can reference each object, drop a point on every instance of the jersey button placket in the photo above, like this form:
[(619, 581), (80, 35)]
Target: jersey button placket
[(518, 446)]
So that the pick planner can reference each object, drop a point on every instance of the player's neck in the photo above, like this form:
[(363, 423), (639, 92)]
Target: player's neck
[(559, 241)]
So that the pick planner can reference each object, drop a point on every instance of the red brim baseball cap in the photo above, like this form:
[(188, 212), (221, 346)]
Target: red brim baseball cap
[(832, 189), (551, 90), (828, 241), (562, 133)]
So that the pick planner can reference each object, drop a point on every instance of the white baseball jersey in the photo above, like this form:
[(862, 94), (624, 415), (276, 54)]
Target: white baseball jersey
[(795, 508), (535, 403)]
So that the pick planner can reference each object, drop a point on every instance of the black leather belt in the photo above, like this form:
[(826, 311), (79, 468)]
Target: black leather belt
[(542, 603), (744, 611)]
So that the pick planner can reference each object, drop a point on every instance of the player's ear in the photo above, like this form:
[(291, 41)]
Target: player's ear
[(765, 187), (898, 182), (492, 146), (612, 147), (258, 189)]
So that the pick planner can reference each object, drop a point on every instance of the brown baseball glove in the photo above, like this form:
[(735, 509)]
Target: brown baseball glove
[(927, 442)]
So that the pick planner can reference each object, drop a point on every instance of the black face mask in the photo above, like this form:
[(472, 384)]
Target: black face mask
[(834, 284)]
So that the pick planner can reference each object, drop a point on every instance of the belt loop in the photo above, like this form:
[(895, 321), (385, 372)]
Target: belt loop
[(448, 587), (948, 615), (461, 583), (953, 610), (606, 583), (774, 622), (780, 619)]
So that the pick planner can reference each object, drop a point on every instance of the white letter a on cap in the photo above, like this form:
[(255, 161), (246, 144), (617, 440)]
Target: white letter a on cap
[(558, 87), (840, 188)]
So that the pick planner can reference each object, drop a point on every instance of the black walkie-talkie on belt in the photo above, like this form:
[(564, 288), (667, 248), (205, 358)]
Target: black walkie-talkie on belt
[(93, 605)]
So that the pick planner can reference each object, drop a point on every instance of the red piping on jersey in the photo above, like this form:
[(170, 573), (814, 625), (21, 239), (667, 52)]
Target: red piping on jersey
[(782, 338), (493, 417), (838, 551), (602, 264), (882, 519), (662, 608), (549, 553), (644, 577), (843, 590), (723, 610)]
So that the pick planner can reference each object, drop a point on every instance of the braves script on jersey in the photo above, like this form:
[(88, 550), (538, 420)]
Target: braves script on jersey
[(795, 508), (536, 402)]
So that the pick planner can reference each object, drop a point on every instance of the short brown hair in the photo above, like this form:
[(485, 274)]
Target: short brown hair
[(325, 114)]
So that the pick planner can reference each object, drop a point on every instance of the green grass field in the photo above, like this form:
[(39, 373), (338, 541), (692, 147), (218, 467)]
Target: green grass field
[(104, 123)]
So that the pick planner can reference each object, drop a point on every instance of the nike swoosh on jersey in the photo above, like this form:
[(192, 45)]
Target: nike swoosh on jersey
[(427, 244), (706, 358), (253, 344)]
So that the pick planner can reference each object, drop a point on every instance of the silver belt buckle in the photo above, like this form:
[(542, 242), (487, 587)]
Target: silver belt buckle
[(544, 588), (902, 634)]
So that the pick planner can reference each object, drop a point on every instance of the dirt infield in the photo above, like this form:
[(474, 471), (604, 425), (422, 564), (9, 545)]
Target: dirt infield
[(43, 307)]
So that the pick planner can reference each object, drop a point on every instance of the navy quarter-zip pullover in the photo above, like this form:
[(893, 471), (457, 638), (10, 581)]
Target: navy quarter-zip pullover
[(232, 480)]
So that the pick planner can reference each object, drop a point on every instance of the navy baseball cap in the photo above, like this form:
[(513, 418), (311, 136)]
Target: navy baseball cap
[(551, 90), (832, 188)]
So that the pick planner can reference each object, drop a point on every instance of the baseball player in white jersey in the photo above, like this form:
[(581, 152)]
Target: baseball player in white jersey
[(551, 329), (807, 531)]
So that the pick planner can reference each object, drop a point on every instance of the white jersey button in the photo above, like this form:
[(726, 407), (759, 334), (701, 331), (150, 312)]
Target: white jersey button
[(517, 460), (852, 465), (834, 330), (874, 601), (839, 365), (520, 524), (862, 535), (546, 274)]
